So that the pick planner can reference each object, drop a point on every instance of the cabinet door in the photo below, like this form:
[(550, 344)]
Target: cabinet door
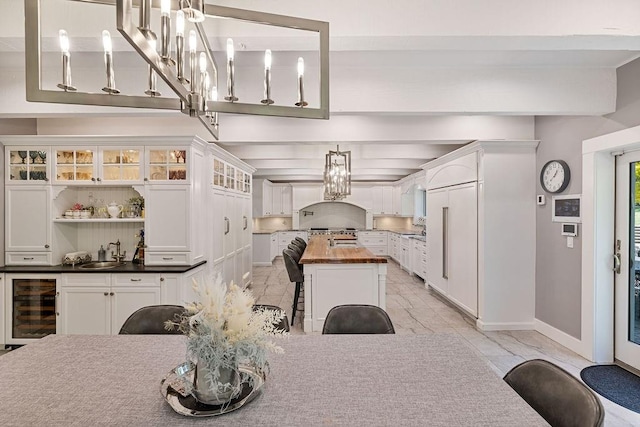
[(247, 265), (267, 198), (247, 223), (120, 165), (276, 200), (387, 200), (286, 200), (27, 165), (169, 165), (74, 165), (127, 299), (85, 310), (463, 246), (231, 224), (167, 221), (396, 200), (437, 206), (28, 218)]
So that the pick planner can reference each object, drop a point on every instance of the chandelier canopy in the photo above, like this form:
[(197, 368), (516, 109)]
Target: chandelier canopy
[(337, 174), (196, 92)]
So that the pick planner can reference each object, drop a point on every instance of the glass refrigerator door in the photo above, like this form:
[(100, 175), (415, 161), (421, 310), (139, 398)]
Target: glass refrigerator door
[(34, 308)]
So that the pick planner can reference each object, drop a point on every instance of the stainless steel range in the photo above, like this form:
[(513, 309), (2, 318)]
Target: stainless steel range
[(314, 231)]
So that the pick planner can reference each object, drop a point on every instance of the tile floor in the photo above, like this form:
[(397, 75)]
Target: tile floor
[(416, 310)]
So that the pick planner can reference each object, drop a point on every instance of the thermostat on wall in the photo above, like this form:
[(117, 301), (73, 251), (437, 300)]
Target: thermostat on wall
[(569, 229), (540, 199)]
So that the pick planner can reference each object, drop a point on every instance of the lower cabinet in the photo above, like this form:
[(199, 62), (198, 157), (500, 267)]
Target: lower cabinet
[(98, 304), (405, 253), (375, 241), (419, 258)]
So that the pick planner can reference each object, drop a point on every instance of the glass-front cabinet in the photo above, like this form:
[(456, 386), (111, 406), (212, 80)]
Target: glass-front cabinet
[(230, 177), (218, 173), (84, 165), (27, 164), (167, 164)]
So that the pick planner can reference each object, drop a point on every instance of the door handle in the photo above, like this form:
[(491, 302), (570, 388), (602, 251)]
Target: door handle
[(226, 225), (616, 263), (445, 243), (245, 222), (56, 303)]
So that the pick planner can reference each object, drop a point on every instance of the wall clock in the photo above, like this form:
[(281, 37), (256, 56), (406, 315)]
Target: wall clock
[(555, 176)]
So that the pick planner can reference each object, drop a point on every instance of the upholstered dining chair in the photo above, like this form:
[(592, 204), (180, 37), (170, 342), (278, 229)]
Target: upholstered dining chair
[(297, 251), (357, 319), (150, 320), (559, 397), (301, 241), (284, 322), (294, 271)]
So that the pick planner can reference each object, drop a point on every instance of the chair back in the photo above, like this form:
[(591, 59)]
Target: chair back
[(150, 320), (293, 268), (296, 251), (283, 324), (559, 397), (357, 319), (299, 245), (301, 241)]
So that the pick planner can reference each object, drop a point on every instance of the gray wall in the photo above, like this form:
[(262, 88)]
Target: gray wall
[(558, 300)]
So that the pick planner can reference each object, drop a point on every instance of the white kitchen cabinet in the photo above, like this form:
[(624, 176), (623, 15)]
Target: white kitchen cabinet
[(28, 234), (168, 164), (419, 258), (473, 256), (361, 196), (273, 247), (405, 253), (375, 241), (305, 195), (396, 204), (27, 164), (262, 198), (382, 200), (91, 165), (2, 311), (262, 254), (98, 304), (281, 199), (394, 246)]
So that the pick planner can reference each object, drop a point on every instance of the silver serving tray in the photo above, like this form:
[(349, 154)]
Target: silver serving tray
[(176, 386)]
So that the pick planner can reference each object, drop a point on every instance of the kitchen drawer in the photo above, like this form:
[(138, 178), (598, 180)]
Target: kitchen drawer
[(28, 258), (378, 250), (85, 279), (134, 279), (373, 241), (167, 258), (372, 234)]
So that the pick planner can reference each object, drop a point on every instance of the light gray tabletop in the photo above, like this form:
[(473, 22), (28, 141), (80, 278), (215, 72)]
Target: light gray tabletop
[(371, 380)]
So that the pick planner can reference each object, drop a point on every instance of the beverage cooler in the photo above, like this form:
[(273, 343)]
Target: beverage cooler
[(31, 302)]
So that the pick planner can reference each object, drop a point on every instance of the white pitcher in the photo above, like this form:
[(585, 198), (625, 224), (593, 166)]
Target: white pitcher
[(114, 209)]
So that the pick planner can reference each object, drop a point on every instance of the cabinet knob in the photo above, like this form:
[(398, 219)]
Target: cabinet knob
[(46, 246), (98, 179), (146, 179), (162, 279), (106, 294), (93, 179), (111, 293)]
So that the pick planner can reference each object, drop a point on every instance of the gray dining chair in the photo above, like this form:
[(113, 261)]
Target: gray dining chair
[(559, 397), (357, 319), (300, 241), (294, 270), (150, 320), (284, 322)]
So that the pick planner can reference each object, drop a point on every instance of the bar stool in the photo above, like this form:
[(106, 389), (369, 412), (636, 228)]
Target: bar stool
[(296, 251), (295, 275), (297, 244), (301, 241)]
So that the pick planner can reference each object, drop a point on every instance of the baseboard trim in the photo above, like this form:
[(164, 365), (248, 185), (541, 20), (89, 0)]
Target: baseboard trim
[(572, 343), (505, 326)]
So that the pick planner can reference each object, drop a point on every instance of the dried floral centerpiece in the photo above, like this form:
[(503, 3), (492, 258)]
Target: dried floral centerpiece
[(224, 332)]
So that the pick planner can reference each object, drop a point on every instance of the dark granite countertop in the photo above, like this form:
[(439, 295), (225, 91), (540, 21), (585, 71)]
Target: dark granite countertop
[(128, 267)]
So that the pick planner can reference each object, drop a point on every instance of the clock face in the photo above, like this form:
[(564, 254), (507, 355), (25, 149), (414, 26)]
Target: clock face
[(554, 176)]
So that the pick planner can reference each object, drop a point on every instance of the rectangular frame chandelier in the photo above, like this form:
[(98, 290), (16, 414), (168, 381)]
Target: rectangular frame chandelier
[(337, 174), (196, 100)]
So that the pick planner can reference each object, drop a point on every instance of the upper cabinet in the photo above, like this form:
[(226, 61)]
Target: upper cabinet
[(27, 165), (230, 177), (88, 165), (168, 165), (281, 200), (383, 200)]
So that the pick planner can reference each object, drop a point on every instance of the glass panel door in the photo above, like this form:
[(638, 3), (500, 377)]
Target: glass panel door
[(627, 282), (74, 165), (28, 165), (34, 308), (167, 165)]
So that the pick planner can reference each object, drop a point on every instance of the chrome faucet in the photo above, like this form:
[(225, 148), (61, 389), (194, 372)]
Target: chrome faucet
[(118, 256)]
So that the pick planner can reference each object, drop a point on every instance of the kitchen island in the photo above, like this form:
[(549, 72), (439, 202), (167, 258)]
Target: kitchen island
[(339, 274)]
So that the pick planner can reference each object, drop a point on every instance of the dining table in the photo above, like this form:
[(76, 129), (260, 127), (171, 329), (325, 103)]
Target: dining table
[(360, 380)]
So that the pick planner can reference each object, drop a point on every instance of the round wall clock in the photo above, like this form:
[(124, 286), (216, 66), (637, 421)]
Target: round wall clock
[(555, 176)]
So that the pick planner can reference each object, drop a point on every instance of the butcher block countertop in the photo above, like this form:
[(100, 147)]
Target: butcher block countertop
[(319, 251)]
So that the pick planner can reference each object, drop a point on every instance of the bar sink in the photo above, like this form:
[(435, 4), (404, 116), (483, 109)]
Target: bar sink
[(101, 265)]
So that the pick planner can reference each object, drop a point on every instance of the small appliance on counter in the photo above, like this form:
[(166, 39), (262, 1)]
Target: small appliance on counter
[(73, 258)]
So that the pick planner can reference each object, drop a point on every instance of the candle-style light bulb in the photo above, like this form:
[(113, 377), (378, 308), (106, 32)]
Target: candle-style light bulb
[(301, 102), (212, 114), (180, 23), (267, 78), (203, 77), (180, 46), (151, 89), (193, 45), (165, 31), (203, 62), (108, 61), (66, 62), (165, 7), (231, 96)]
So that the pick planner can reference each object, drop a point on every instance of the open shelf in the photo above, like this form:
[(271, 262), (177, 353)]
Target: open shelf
[(97, 220)]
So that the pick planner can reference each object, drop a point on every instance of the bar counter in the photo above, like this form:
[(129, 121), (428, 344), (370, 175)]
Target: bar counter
[(341, 274)]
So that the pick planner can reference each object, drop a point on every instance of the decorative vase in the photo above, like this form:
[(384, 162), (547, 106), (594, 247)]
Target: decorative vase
[(206, 391)]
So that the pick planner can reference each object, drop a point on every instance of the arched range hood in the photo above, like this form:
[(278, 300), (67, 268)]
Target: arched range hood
[(332, 215)]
